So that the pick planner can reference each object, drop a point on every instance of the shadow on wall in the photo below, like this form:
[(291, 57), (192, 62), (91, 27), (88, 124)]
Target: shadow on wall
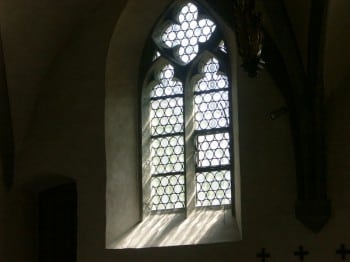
[(45, 181), (338, 146)]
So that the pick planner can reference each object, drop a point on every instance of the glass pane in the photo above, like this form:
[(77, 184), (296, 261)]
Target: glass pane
[(213, 150), (211, 110), (166, 116), (188, 33), (213, 188), (213, 79), (166, 85), (168, 192), (167, 155), (222, 47), (156, 55)]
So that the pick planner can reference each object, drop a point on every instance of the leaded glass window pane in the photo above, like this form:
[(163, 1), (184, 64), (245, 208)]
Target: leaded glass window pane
[(167, 154), (212, 121), (212, 79), (186, 34), (166, 116), (213, 188), (213, 150), (156, 55), (168, 192), (222, 47), (167, 141), (211, 110), (167, 85)]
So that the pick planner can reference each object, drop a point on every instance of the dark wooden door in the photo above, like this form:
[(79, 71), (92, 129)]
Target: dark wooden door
[(58, 224)]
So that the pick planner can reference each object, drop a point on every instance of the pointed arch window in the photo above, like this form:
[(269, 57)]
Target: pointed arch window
[(190, 188), (187, 141)]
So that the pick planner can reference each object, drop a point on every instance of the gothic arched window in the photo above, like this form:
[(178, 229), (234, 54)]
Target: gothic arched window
[(187, 132)]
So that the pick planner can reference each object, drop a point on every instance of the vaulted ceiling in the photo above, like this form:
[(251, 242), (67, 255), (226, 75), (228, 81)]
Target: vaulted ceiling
[(35, 33), (336, 53)]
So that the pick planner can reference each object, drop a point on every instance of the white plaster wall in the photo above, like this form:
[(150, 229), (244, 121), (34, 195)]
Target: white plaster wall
[(122, 116), (66, 137)]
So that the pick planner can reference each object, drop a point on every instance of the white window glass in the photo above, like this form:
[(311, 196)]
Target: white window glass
[(177, 45)]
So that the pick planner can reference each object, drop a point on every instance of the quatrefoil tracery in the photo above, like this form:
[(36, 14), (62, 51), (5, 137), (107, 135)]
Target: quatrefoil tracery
[(188, 33)]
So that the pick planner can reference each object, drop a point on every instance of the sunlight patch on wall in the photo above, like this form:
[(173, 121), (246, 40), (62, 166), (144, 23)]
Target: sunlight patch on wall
[(200, 227)]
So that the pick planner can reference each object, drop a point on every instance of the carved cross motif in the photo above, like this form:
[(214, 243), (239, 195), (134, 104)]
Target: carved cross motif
[(301, 253), (343, 251), (263, 255)]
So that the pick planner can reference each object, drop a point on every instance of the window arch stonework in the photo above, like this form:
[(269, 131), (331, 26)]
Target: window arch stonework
[(186, 74), (189, 97)]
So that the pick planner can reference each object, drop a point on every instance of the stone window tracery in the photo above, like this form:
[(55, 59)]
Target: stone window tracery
[(188, 147)]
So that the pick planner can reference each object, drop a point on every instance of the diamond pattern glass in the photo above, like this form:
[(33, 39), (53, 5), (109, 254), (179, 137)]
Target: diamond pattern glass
[(168, 192), (188, 33), (213, 188)]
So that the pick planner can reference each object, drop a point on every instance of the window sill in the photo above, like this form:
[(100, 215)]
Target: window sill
[(200, 227)]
